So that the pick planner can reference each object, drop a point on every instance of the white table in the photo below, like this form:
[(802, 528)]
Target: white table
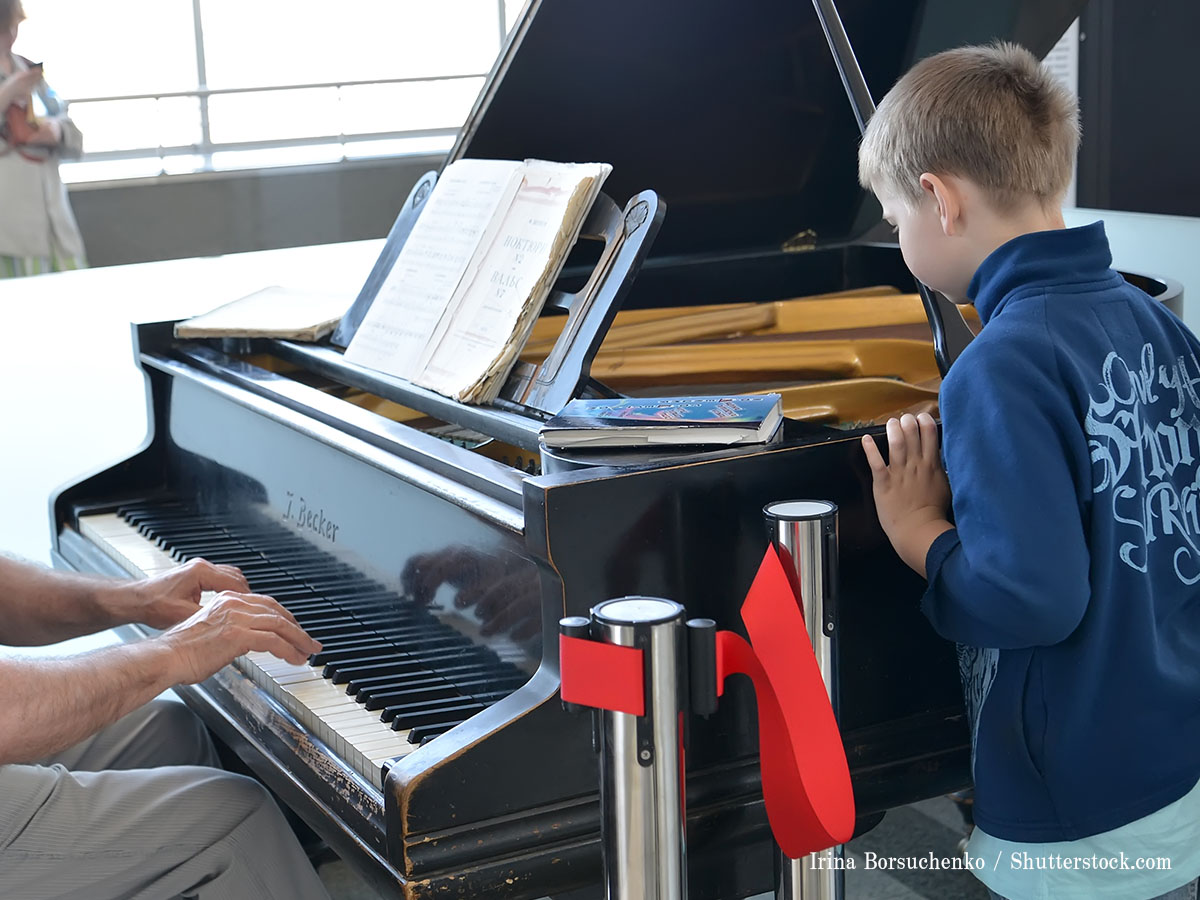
[(72, 399)]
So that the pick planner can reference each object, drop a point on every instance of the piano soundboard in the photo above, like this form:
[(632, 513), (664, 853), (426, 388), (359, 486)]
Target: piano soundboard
[(383, 683)]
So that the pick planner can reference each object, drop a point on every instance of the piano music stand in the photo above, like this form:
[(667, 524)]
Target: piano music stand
[(627, 235), (401, 228), (541, 390)]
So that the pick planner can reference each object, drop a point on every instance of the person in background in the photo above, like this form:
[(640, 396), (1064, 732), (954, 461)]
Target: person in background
[(38, 232), (107, 792), (1070, 575)]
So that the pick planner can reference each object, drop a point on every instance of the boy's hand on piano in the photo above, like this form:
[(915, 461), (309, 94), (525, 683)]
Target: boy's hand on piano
[(912, 495), (230, 626), (168, 598)]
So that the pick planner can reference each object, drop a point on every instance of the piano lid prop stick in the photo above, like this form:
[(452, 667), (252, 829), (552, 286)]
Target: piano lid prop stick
[(950, 332)]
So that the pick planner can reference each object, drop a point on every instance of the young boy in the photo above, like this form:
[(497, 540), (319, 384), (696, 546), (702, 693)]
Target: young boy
[(1071, 575)]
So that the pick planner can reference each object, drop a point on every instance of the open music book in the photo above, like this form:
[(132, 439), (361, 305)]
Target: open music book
[(273, 312), (471, 279)]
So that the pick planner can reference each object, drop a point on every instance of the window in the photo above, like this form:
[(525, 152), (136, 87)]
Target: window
[(174, 86)]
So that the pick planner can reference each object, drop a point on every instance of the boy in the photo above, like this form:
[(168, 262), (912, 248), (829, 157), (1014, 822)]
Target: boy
[(1071, 577)]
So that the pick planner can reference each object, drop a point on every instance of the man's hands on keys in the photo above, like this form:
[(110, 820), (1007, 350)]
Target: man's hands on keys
[(231, 625), (170, 597)]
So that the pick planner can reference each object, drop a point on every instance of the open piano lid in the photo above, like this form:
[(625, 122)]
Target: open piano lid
[(733, 113)]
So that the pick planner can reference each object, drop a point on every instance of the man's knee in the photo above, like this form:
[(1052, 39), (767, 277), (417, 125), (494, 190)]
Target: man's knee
[(240, 795), (215, 803)]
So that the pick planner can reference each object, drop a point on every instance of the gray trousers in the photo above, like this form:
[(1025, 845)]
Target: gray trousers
[(138, 812)]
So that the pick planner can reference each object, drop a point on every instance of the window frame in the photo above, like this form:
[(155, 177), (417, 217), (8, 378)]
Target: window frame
[(205, 148)]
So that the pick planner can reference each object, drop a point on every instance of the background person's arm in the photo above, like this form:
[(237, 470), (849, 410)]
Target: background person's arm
[(18, 86)]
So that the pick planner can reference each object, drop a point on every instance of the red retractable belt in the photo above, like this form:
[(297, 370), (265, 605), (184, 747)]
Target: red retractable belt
[(805, 776)]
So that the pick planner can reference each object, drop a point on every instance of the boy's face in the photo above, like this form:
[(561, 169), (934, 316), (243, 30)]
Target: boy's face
[(930, 254)]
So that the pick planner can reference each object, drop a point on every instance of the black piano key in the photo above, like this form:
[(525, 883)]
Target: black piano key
[(298, 603), (388, 653), (344, 628), (342, 671), (398, 665), (367, 687), (350, 641), (480, 685), (363, 644), (449, 673), (446, 705), (430, 730), (405, 719), (430, 688), (372, 646), (392, 652), (389, 704)]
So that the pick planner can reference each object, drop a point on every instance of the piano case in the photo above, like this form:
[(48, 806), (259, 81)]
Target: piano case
[(451, 559)]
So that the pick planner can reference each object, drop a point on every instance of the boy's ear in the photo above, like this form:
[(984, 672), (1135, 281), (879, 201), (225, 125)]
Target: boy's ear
[(946, 196)]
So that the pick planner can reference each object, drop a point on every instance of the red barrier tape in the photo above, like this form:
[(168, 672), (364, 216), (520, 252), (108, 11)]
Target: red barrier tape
[(606, 676), (805, 776)]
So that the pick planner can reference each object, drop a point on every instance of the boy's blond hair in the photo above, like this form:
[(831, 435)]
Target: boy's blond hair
[(991, 114)]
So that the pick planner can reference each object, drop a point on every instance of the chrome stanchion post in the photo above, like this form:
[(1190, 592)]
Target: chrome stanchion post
[(804, 532), (642, 807)]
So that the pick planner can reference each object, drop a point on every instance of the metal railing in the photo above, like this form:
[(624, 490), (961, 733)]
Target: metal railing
[(206, 148)]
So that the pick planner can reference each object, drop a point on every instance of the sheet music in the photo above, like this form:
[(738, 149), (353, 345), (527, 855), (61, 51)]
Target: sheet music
[(417, 291), (502, 297)]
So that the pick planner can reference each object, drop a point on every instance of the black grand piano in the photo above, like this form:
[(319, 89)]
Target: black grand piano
[(422, 541)]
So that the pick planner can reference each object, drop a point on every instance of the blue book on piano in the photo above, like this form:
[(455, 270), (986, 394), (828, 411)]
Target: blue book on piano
[(649, 421)]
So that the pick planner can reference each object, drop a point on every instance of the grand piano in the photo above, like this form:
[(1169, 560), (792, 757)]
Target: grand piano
[(433, 547)]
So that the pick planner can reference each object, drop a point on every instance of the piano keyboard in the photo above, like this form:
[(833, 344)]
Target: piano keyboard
[(389, 675)]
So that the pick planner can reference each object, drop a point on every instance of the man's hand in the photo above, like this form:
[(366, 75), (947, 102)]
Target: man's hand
[(233, 624), (167, 599), (912, 494)]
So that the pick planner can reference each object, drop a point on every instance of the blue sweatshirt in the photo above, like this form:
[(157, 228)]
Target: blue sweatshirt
[(1072, 580)]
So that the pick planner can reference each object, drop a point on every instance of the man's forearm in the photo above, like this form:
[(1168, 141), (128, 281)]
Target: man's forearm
[(41, 606), (52, 704)]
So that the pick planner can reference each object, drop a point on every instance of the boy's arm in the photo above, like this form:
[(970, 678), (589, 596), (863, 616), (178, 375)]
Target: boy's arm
[(41, 606), (1015, 571)]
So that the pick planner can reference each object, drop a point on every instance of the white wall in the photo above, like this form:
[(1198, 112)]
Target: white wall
[(1153, 245), (231, 212)]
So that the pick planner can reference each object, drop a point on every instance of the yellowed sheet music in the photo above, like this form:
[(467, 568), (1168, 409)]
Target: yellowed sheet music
[(496, 304), (418, 291)]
